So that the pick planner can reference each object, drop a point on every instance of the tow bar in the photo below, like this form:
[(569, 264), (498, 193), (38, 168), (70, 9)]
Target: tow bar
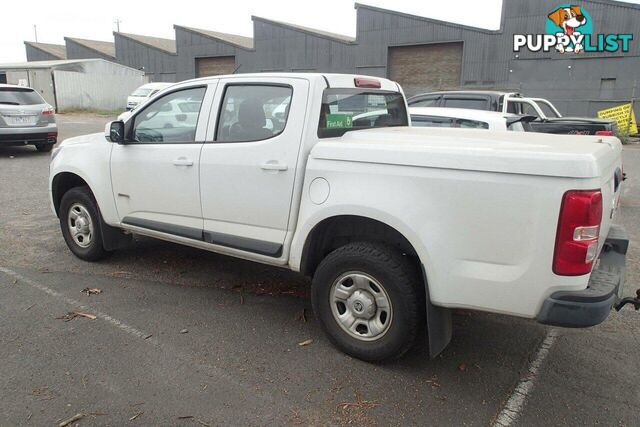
[(629, 300)]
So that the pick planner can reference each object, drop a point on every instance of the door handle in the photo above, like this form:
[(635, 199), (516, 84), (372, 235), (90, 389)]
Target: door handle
[(183, 161), (273, 165)]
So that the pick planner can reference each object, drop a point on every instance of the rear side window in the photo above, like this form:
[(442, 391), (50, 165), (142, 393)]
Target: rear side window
[(471, 124), (344, 110), (430, 101), (253, 112), (432, 121), (469, 103), (19, 96)]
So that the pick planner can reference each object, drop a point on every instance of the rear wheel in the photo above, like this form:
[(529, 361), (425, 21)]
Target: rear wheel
[(370, 300), (80, 224), (44, 148)]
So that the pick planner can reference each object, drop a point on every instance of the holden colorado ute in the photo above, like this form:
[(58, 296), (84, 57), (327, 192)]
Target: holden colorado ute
[(395, 225)]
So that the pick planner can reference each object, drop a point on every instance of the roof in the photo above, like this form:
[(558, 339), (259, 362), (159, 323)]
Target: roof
[(232, 39), (44, 64), (4, 85), (165, 45), (459, 113), (57, 50), (432, 20), (311, 31), (104, 48)]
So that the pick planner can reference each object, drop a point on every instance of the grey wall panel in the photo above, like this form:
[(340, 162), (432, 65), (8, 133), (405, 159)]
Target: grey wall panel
[(34, 54), (157, 64), (78, 51)]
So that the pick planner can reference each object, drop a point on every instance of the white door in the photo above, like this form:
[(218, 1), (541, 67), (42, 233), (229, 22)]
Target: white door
[(248, 164), (155, 175)]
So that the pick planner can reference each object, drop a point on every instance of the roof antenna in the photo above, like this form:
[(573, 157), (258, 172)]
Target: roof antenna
[(117, 22), (35, 31)]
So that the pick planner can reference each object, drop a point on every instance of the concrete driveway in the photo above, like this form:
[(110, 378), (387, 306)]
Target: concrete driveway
[(185, 337)]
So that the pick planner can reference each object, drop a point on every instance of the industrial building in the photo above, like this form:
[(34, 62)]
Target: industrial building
[(421, 53), (76, 83)]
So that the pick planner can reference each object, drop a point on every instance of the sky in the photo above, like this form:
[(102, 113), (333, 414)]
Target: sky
[(96, 20)]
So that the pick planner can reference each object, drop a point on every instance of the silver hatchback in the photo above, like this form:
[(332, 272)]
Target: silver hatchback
[(26, 118)]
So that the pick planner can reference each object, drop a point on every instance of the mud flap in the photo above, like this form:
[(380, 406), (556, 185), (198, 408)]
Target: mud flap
[(439, 324)]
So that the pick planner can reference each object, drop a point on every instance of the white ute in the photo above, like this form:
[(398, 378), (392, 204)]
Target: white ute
[(395, 224)]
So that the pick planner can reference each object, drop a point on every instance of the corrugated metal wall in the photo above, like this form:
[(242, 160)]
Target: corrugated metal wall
[(34, 54), (159, 66), (101, 91), (78, 51)]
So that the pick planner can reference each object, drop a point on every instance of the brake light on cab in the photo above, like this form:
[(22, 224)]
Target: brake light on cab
[(604, 133), (578, 230), (367, 83)]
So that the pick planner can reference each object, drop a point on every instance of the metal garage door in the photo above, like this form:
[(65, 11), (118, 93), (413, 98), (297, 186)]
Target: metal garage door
[(215, 66), (424, 68)]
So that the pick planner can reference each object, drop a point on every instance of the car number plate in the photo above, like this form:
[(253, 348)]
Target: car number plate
[(21, 120)]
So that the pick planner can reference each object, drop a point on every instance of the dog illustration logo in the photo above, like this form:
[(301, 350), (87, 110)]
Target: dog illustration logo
[(568, 18)]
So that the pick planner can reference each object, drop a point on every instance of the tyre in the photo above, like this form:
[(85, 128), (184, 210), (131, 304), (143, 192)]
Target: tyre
[(44, 148), (370, 300), (80, 224)]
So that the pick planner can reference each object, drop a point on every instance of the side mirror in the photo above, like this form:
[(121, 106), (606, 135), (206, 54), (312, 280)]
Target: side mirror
[(114, 131)]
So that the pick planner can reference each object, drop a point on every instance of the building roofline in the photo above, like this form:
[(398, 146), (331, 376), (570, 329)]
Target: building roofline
[(358, 5), (310, 31), (46, 48), (227, 38), (83, 42), (134, 38)]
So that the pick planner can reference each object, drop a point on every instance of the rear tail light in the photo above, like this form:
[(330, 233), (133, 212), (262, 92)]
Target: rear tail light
[(369, 83), (578, 230), (604, 133), (48, 111)]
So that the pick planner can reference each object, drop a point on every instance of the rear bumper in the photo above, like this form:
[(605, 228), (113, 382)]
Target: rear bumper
[(591, 306), (29, 135)]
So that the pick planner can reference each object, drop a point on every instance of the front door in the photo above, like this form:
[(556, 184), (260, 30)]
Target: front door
[(247, 172), (155, 175)]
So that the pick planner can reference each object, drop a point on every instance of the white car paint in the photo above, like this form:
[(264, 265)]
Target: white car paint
[(145, 92), (480, 208)]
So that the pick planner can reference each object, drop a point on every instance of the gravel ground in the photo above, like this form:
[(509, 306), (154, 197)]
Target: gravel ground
[(186, 337)]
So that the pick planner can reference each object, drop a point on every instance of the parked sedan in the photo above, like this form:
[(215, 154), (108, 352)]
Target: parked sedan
[(470, 119), (26, 118)]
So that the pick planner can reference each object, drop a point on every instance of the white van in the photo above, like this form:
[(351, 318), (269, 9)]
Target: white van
[(143, 92)]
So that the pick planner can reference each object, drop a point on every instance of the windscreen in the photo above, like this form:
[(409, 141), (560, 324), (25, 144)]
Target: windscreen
[(142, 92), (19, 96), (345, 110)]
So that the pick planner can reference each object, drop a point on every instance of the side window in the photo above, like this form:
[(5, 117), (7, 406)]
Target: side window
[(253, 112), (430, 101), (471, 124), (468, 103), (432, 121), (170, 119)]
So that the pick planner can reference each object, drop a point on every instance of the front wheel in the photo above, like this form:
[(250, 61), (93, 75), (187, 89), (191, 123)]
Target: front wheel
[(370, 300), (80, 224)]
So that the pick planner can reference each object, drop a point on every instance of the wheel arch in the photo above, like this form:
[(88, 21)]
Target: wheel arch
[(63, 182)]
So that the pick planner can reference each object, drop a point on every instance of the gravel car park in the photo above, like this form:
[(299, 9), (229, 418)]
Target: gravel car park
[(182, 335)]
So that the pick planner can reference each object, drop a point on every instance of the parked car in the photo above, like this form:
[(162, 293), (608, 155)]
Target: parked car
[(468, 119), (548, 119), (26, 118), (143, 93), (396, 225)]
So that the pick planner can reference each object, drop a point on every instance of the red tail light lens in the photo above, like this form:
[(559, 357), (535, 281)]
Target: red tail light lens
[(369, 83), (604, 133), (48, 111), (578, 230)]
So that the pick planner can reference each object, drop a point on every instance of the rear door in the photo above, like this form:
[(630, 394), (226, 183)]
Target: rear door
[(248, 164)]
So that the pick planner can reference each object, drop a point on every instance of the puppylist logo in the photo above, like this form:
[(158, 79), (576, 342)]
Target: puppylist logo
[(569, 29)]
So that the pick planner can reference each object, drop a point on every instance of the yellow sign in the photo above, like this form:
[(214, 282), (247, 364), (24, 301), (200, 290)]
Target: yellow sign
[(624, 116)]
